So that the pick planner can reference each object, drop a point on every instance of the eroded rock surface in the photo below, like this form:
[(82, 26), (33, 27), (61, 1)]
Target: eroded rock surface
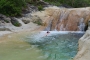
[(72, 19), (84, 46)]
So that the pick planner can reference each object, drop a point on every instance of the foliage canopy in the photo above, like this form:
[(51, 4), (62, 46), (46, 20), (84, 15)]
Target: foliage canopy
[(14, 7), (11, 7), (72, 3)]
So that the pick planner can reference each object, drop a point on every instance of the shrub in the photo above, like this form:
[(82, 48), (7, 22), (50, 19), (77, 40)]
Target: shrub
[(72, 3), (17, 24), (40, 7), (11, 7)]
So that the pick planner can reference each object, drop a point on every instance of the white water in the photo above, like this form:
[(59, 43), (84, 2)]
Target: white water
[(38, 37), (81, 25)]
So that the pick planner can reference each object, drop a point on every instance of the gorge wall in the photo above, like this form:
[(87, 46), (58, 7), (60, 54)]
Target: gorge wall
[(84, 46), (62, 19)]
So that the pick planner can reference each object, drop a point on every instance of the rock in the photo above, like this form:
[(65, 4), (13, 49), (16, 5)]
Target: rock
[(84, 47), (37, 20), (30, 9), (43, 3), (2, 21), (64, 19), (65, 6), (7, 20), (26, 20), (27, 15), (88, 23), (4, 18), (15, 22), (5, 29)]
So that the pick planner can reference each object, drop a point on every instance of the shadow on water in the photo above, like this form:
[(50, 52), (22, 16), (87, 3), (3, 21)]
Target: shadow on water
[(56, 46)]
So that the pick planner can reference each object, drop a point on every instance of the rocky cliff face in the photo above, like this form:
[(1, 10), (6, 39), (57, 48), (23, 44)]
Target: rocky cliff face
[(62, 19), (84, 46)]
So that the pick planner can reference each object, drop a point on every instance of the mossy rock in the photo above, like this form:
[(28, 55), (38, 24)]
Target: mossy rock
[(15, 22)]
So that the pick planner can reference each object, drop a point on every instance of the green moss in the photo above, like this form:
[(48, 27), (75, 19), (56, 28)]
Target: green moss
[(17, 24), (11, 7), (40, 7)]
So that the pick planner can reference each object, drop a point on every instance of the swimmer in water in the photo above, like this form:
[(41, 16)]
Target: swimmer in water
[(47, 33)]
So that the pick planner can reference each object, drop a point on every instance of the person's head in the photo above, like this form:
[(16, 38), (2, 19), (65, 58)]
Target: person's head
[(48, 32)]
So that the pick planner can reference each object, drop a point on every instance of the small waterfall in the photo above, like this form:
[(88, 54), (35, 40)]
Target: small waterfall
[(63, 19), (81, 25)]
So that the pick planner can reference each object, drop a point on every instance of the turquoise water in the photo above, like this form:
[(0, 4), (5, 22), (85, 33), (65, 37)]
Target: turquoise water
[(56, 46), (38, 46)]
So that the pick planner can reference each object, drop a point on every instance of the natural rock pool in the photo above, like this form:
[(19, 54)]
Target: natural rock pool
[(55, 46)]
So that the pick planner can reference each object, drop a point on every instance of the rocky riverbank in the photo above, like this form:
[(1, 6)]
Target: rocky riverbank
[(83, 48)]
